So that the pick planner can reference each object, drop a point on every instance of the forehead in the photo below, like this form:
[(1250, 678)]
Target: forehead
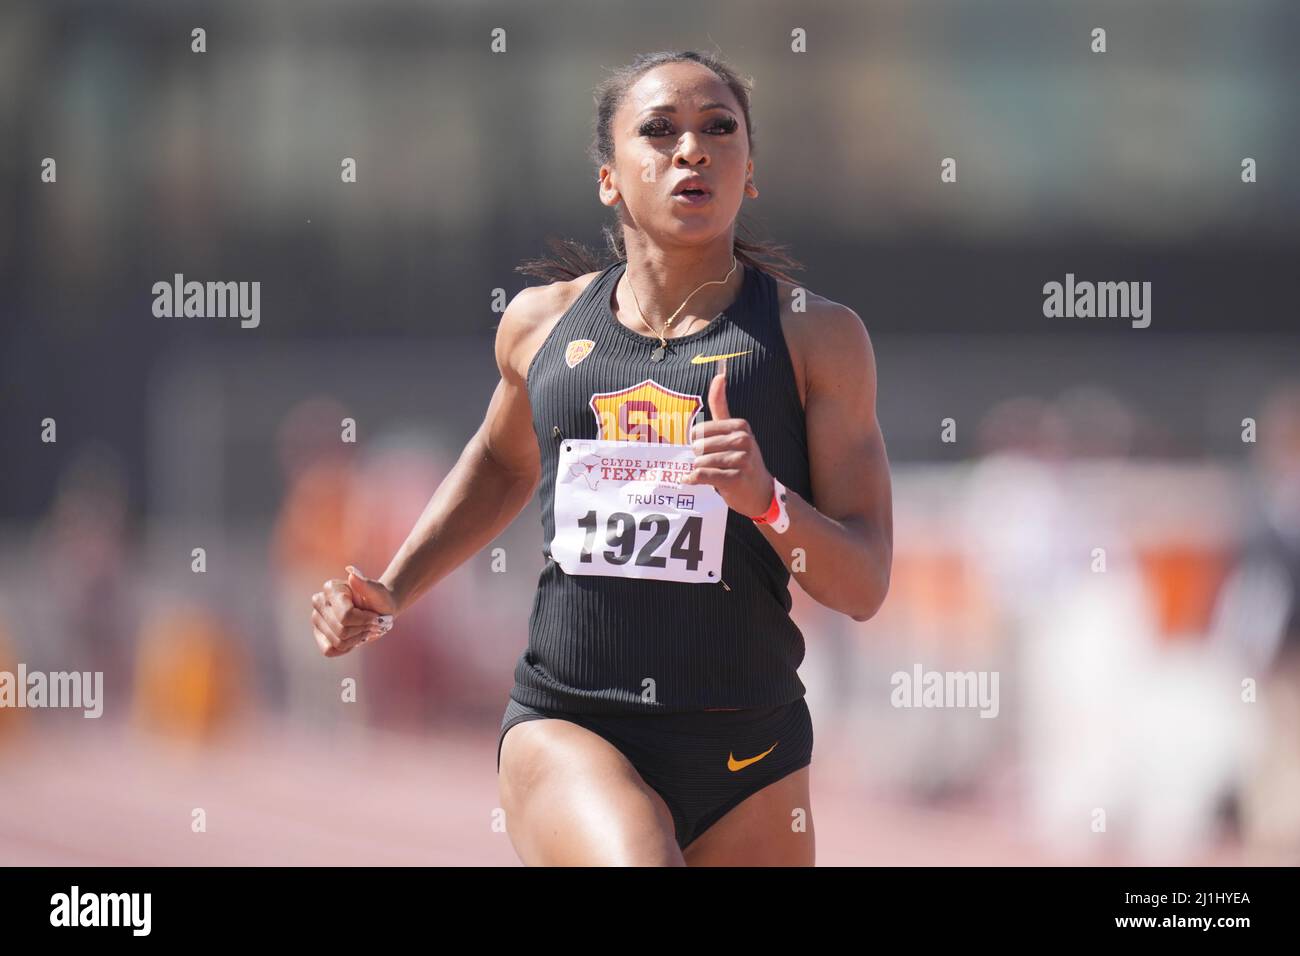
[(683, 85)]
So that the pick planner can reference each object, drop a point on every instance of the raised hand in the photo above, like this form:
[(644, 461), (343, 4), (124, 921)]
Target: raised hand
[(727, 456)]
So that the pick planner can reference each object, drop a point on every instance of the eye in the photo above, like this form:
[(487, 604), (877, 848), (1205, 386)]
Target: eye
[(659, 126), (655, 127)]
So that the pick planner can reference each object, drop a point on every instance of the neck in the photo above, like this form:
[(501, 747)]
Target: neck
[(665, 278)]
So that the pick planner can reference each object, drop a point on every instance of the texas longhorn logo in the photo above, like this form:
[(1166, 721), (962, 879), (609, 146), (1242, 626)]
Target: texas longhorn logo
[(645, 412)]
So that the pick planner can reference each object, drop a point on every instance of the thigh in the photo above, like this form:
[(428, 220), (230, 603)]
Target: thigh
[(572, 799), (772, 827)]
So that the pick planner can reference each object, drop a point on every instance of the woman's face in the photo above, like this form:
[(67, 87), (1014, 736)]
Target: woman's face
[(678, 121)]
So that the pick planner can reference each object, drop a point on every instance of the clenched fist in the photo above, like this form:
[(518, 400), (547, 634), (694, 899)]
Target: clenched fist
[(348, 613)]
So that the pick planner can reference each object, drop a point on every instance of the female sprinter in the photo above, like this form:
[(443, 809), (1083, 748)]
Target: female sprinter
[(702, 430)]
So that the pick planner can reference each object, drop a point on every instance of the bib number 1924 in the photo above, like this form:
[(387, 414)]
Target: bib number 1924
[(620, 511), (621, 530)]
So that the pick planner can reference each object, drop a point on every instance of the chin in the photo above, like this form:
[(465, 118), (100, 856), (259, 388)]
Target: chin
[(693, 234), (699, 224)]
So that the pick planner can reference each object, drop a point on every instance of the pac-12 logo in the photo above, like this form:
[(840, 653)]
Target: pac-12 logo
[(645, 412), (577, 350)]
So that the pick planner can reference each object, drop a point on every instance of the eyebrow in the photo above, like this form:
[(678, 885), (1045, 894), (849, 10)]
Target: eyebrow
[(669, 108)]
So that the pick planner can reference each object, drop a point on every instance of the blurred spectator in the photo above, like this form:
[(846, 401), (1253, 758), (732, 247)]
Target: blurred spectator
[(1258, 621), (310, 545), (11, 718), (417, 671), (190, 675), (86, 568)]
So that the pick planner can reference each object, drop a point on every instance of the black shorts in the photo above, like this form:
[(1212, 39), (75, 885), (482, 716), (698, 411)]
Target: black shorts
[(703, 763)]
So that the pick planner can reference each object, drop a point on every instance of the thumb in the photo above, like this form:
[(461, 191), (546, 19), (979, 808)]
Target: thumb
[(718, 393), (367, 594)]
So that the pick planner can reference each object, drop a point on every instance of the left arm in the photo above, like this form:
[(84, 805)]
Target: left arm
[(848, 539)]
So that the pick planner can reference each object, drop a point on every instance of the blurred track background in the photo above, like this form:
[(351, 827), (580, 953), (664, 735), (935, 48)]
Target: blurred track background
[(1120, 690)]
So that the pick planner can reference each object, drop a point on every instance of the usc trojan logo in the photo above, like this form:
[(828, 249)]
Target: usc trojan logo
[(645, 412)]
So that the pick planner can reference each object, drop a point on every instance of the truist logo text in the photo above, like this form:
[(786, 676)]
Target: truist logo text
[(102, 909)]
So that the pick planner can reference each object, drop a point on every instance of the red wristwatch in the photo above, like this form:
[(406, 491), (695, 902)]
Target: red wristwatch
[(776, 514)]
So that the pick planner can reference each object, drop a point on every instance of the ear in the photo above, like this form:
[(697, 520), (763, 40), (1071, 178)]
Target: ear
[(607, 190)]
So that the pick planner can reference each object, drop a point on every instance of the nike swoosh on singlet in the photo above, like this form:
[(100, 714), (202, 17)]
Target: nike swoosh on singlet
[(733, 764), (701, 359)]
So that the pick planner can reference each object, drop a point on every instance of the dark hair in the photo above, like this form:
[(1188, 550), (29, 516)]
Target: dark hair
[(569, 258)]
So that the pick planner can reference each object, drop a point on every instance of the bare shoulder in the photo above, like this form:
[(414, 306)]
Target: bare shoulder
[(827, 340), (528, 320)]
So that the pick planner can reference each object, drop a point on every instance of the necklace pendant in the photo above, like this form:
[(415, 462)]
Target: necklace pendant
[(658, 354)]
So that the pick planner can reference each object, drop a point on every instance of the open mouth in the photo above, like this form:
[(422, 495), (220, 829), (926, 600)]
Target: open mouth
[(692, 195)]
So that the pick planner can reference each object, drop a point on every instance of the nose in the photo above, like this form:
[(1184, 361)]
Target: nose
[(690, 151)]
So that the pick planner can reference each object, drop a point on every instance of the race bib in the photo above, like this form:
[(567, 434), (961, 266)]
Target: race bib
[(620, 511)]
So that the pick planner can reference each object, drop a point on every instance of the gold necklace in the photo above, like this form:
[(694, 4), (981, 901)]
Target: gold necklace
[(658, 353)]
